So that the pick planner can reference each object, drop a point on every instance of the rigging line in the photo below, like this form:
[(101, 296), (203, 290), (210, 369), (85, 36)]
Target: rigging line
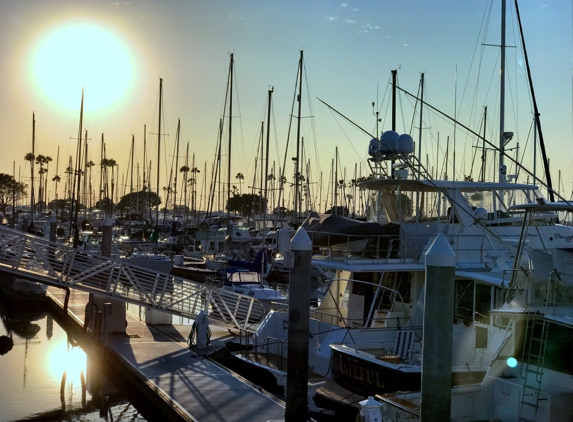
[(536, 111), (343, 116), (384, 101), (402, 112), (415, 113), (276, 136), (531, 129), (479, 41), (476, 147), (241, 133), (282, 170), (312, 121), (495, 147), (512, 249), (347, 138)]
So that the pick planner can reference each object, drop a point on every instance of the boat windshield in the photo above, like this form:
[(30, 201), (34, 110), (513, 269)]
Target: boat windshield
[(408, 202), (499, 200)]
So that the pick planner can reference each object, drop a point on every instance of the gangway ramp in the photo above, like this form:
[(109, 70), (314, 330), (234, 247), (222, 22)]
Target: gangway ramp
[(37, 259)]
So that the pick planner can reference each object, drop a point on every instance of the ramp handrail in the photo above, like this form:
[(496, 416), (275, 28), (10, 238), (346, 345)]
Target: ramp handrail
[(34, 258)]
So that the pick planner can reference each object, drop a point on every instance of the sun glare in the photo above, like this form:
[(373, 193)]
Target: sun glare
[(66, 358), (82, 55)]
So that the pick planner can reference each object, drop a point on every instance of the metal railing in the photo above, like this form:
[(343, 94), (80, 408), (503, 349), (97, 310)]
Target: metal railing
[(408, 247), (34, 258)]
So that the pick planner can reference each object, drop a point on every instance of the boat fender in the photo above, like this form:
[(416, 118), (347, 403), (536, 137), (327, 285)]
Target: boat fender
[(6, 344)]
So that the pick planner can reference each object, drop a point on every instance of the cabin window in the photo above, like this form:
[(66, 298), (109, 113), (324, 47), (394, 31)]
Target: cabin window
[(404, 283), (404, 203), (464, 293), (481, 199), (473, 302), (481, 337), (501, 321), (483, 303), (559, 349)]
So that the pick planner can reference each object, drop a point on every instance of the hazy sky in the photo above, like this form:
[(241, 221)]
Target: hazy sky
[(118, 51)]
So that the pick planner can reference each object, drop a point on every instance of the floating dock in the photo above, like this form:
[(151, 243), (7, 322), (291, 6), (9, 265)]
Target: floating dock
[(153, 364)]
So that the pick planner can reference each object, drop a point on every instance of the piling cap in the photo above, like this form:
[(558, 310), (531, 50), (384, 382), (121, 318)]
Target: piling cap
[(107, 222), (53, 220), (370, 403), (440, 253), (300, 241)]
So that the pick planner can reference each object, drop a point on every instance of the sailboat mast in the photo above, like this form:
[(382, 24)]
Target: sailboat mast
[(296, 171), (79, 174), (146, 199), (420, 130), (176, 166), (483, 153), (419, 176), (56, 178), (85, 185), (131, 180), (194, 190), (271, 90), (14, 194), (335, 181), (32, 168), (394, 84), (185, 179), (230, 135), (536, 114), (257, 161), (159, 150), (101, 157), (502, 168)]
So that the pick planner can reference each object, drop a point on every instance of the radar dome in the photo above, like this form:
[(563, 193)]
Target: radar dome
[(389, 140), (405, 144), (374, 147)]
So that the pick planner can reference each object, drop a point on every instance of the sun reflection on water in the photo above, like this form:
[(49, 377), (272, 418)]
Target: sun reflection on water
[(68, 358)]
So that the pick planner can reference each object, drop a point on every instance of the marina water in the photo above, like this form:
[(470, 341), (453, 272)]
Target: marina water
[(47, 377)]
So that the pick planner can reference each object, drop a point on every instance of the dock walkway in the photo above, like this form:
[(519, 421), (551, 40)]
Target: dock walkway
[(196, 388)]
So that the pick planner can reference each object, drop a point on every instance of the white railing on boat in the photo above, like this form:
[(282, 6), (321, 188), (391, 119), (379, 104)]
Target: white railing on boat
[(408, 248)]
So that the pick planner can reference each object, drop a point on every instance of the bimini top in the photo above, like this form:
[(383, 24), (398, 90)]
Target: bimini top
[(437, 185)]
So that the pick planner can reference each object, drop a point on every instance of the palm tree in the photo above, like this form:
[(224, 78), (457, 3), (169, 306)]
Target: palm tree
[(271, 178), (112, 163), (185, 171), (56, 179), (47, 161), (30, 157), (41, 190), (194, 170), (105, 163), (42, 160), (239, 177), (354, 186), (89, 166), (69, 171)]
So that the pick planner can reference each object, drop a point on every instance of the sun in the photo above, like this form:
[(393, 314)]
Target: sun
[(82, 55)]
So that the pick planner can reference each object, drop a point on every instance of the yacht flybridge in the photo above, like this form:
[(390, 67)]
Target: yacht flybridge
[(512, 289)]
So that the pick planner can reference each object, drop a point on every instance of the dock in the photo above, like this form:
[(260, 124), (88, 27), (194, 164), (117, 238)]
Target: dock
[(154, 364)]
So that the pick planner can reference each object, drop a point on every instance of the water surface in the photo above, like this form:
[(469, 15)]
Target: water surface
[(45, 374)]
